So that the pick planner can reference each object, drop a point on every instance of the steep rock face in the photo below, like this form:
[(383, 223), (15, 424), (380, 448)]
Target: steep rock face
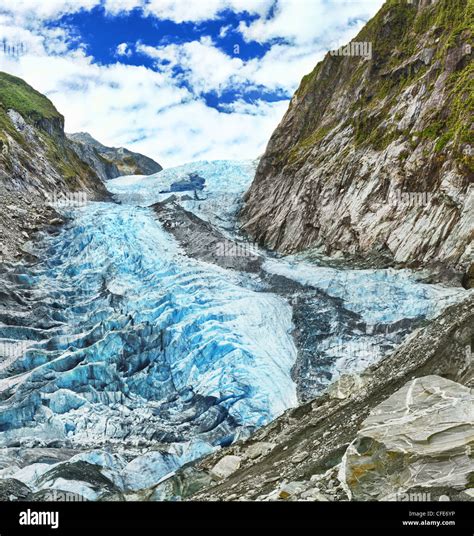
[(111, 162), (105, 169), (38, 168), (374, 156)]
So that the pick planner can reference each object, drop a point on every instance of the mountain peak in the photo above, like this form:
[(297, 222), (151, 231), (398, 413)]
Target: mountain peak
[(111, 162), (84, 137)]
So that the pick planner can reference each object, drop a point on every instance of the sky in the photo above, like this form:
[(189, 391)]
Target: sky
[(180, 80)]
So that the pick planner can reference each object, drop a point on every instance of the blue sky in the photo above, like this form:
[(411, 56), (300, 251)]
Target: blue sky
[(180, 80)]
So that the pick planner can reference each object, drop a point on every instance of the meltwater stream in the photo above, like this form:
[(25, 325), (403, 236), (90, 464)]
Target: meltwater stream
[(120, 351)]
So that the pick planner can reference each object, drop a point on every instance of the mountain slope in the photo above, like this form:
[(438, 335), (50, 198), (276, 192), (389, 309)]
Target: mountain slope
[(374, 156), (111, 162), (38, 168)]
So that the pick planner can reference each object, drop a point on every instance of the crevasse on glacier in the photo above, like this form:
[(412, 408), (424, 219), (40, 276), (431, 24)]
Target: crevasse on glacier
[(389, 303), (123, 318), (125, 344)]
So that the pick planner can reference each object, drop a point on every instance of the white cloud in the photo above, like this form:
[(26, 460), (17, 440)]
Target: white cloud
[(283, 66), (151, 110), (204, 133), (200, 10), (175, 10), (145, 110), (45, 9), (117, 7), (308, 29), (306, 21), (206, 67), (124, 50), (300, 20)]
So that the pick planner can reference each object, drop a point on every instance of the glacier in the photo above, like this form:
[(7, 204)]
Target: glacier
[(226, 181), (131, 322), (379, 296), (127, 358)]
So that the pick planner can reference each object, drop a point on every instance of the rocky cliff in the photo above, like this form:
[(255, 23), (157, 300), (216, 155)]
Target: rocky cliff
[(38, 168), (111, 162), (374, 157)]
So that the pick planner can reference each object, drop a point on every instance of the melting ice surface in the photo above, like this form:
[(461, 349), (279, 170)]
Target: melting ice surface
[(131, 343), (386, 305), (116, 340)]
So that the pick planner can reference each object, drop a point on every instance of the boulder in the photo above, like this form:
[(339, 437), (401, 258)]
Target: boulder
[(226, 466), (291, 490), (419, 439), (346, 386), (255, 450), (298, 458)]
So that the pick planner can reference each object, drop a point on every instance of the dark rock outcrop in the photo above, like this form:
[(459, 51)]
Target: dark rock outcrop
[(203, 241)]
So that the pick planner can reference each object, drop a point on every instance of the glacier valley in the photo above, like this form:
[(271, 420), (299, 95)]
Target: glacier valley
[(122, 357)]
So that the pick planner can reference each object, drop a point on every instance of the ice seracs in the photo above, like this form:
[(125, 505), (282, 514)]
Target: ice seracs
[(137, 358)]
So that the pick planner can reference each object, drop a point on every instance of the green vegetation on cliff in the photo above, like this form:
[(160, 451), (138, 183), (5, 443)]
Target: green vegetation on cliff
[(49, 139), (16, 94), (413, 45), (6, 126)]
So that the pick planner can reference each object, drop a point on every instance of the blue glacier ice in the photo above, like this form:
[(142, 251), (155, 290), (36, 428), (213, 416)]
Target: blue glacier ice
[(388, 303), (116, 343), (131, 344), (379, 296), (225, 183)]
